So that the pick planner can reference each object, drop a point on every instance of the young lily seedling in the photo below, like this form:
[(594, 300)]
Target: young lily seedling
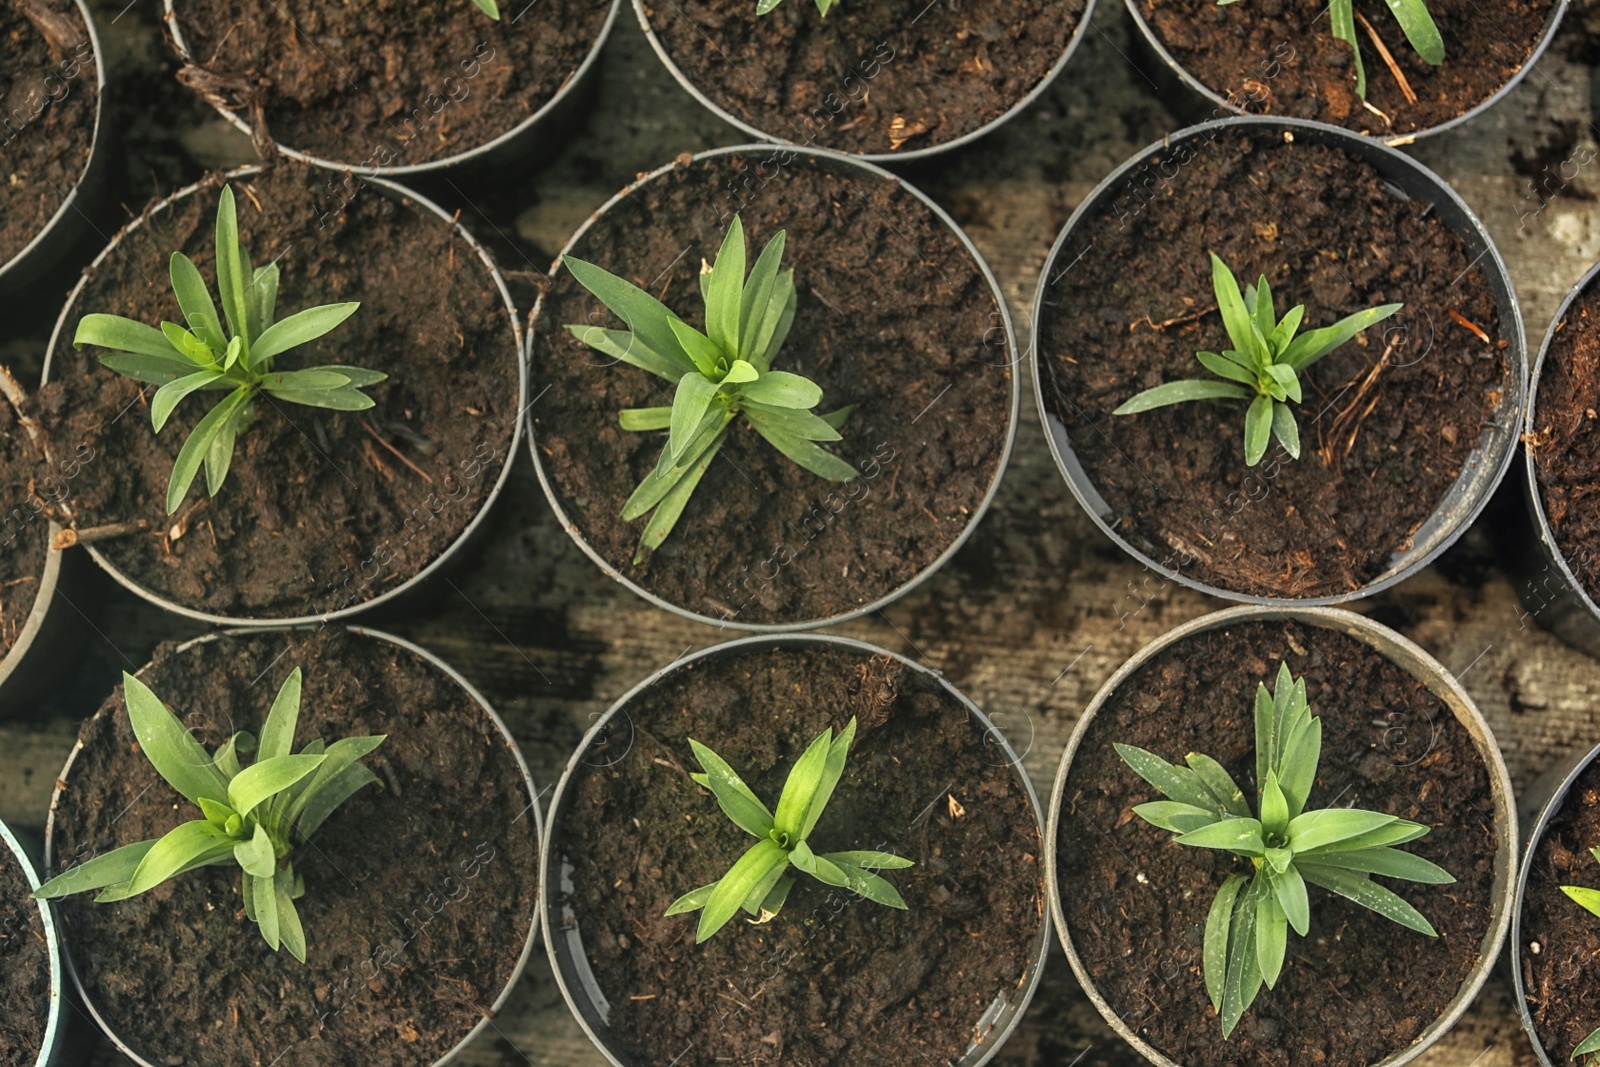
[(239, 360), (1263, 366), (1415, 22), (489, 7), (719, 375), (1339, 849), (254, 816), (759, 881), (1589, 900)]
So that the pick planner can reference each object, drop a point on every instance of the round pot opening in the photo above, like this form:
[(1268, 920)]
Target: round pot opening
[(971, 960), (1404, 432), (1399, 736), (378, 500), (1553, 941), (457, 54), (410, 953), (1305, 72), (928, 360), (937, 84)]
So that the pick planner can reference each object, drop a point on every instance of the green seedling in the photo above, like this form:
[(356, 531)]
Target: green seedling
[(1589, 900), (1415, 22)]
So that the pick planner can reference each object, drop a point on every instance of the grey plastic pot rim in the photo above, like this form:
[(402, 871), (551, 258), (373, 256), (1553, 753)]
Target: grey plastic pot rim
[(871, 157), (393, 189), (1535, 836), (1490, 260), (1405, 654), (44, 601), (1224, 104), (1545, 532), (52, 940), (175, 28), (978, 513), (549, 859), (70, 203), (434, 661)]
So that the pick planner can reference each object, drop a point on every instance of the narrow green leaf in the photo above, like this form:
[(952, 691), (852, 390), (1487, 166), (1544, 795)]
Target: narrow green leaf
[(807, 454), (267, 777), (1286, 429), (1274, 808), (168, 396), (1588, 1046), (300, 328), (702, 350), (187, 845), (109, 868), (169, 746), (871, 886), (1230, 302), (1290, 889), (1244, 979), (290, 931), (801, 787), (1261, 301), (277, 735), (194, 450), (199, 311), (1389, 862), (1176, 783), (264, 288), (690, 406), (735, 886), (1312, 346), (1298, 764), (758, 896), (646, 317), (216, 814), (343, 399), (1175, 817), (1285, 376), (759, 290), (1342, 23), (1367, 893), (1241, 836), (1226, 368), (625, 346), (1180, 392), (230, 268), (725, 293), (326, 800), (832, 771), (327, 787), (781, 389), (654, 488), (1399, 832), (670, 509), (798, 424), (1220, 784), (643, 419), (257, 856), (153, 370), (311, 381), (265, 895), (691, 901), (819, 867), (1588, 899), (775, 323), (359, 377), (1312, 830), (736, 799), (1272, 938), (1287, 327), (1419, 29), (1219, 921), (125, 335), (871, 860), (1257, 429)]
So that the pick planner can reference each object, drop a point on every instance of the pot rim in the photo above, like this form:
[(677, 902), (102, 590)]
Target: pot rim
[(427, 207), (1535, 837), (871, 157), (433, 661), (43, 604), (52, 939), (1013, 365), (1491, 263), (1403, 653), (70, 202), (175, 28), (1222, 102), (791, 640), (1545, 532)]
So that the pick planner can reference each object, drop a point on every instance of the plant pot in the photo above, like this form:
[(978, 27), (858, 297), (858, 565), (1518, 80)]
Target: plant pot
[(1291, 65), (948, 979), (865, 80), (1405, 431), (1400, 736), (363, 506), (58, 150), (30, 960), (409, 954), (918, 337), (302, 96), (1554, 942), (1556, 586)]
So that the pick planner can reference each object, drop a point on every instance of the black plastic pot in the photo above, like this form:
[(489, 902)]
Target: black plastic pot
[(1541, 804), (524, 144), (614, 731), (505, 737), (53, 1053), (1431, 675), (49, 257), (877, 157), (1484, 467), (420, 584), (1225, 104), (1547, 585), (1011, 359)]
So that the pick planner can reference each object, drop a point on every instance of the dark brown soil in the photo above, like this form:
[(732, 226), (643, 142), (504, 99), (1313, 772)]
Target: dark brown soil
[(48, 94), (1278, 57), (833, 979), (894, 315), (24, 967), (317, 512), (24, 529), (1565, 446), (871, 77), (1356, 989), (1328, 234), (392, 83), (419, 897), (1560, 948)]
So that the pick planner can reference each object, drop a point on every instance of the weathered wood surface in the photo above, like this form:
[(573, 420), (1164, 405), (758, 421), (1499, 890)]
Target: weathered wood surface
[(1036, 612)]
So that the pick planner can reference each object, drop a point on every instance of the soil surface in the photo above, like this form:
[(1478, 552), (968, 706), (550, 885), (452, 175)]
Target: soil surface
[(48, 93), (24, 967), (1565, 442), (1560, 952), (1382, 440), (834, 979), (871, 77), (24, 529), (1278, 57), (390, 83), (320, 508), (1358, 988), (893, 315), (419, 896)]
